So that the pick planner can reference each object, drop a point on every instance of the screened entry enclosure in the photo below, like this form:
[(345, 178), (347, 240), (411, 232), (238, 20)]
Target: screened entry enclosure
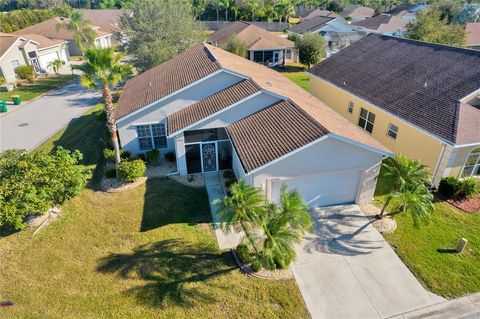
[(207, 150)]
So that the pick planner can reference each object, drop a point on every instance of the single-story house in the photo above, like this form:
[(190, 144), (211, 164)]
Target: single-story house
[(107, 20), (52, 29), (48, 50), (215, 110), (262, 46), (320, 13), (416, 98), (356, 12), (335, 30), (406, 11), (473, 35), (13, 53), (382, 24)]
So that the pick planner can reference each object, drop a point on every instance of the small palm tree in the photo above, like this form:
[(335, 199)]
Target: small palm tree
[(55, 65), (408, 179), (83, 34), (102, 69), (418, 201), (242, 210)]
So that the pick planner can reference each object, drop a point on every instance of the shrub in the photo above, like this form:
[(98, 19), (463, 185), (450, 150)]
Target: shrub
[(243, 254), (2, 80), (292, 37), (256, 265), (129, 171), (109, 154), (25, 72), (141, 157), (311, 49), (236, 46), (449, 187), (228, 183), (170, 156), (468, 187), (153, 157), (125, 155), (282, 263), (111, 173), (33, 182), (229, 175)]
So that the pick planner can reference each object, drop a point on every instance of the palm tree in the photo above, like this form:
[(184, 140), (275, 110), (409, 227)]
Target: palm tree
[(225, 4), (242, 210), (83, 34), (253, 6), (103, 68), (405, 175), (235, 11), (418, 201), (55, 65)]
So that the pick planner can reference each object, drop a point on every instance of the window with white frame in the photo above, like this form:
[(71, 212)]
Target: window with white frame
[(159, 135), (366, 120), (392, 131), (144, 135), (15, 64), (472, 165), (350, 107), (152, 136), (288, 54)]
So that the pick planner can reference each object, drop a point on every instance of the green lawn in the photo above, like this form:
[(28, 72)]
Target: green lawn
[(427, 250), (146, 253), (41, 85), (296, 73)]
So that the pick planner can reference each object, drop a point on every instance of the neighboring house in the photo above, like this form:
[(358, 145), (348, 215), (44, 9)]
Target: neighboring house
[(53, 29), (382, 24), (320, 13), (336, 32), (48, 50), (416, 98), (406, 11), (216, 110), (357, 13), (262, 46), (473, 35), (107, 20), (14, 51)]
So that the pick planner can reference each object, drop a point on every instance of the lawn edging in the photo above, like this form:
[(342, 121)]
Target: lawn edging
[(248, 270)]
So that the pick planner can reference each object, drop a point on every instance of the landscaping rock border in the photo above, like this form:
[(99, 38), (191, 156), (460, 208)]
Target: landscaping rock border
[(284, 274), (115, 185), (386, 225)]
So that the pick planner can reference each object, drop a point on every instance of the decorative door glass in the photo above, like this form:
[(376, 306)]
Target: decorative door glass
[(209, 157)]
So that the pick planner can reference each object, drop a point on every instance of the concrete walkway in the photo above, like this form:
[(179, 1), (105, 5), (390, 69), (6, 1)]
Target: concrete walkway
[(346, 269), (35, 122), (215, 194)]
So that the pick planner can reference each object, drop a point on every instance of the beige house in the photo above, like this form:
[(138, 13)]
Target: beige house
[(15, 51), (416, 98)]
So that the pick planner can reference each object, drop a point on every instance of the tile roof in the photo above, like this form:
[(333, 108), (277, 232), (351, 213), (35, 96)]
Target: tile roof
[(210, 105), (473, 33), (419, 82), (311, 24), (43, 42), (49, 28), (106, 19), (273, 132), (383, 23), (158, 82), (255, 38), (322, 13), (358, 12), (6, 42)]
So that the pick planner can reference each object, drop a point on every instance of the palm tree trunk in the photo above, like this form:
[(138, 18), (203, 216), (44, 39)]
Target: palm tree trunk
[(382, 212), (111, 123)]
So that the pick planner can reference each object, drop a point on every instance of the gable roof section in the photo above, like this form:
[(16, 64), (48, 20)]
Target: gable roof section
[(383, 23), (166, 78), (211, 105), (273, 132), (473, 33), (255, 38), (43, 42), (311, 24), (6, 42), (418, 82), (106, 19), (358, 12), (322, 13)]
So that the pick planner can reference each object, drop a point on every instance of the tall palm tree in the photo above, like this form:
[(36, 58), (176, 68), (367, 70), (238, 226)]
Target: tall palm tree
[(242, 210), (404, 175), (253, 6), (83, 34), (235, 11), (225, 4), (102, 69)]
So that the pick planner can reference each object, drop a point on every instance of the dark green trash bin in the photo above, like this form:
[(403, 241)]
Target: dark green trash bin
[(16, 99), (3, 106)]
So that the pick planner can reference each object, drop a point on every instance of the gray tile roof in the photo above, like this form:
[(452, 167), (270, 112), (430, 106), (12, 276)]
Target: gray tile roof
[(311, 24), (419, 82)]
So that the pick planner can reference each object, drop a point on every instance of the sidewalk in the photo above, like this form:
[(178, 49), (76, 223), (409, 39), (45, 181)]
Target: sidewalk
[(215, 193)]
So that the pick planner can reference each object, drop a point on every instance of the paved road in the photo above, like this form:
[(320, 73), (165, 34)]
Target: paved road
[(31, 125), (347, 270)]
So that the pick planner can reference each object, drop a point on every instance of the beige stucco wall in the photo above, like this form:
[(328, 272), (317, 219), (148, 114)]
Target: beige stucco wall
[(13, 54)]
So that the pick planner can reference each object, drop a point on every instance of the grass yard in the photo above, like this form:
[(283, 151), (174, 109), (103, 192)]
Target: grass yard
[(41, 85), (296, 73), (146, 253), (427, 250)]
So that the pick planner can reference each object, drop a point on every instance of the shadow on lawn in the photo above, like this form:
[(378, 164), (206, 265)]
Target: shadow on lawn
[(173, 269)]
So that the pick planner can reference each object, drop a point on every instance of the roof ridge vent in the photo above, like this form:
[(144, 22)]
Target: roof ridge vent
[(425, 85)]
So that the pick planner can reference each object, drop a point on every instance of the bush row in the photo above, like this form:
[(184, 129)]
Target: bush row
[(452, 187)]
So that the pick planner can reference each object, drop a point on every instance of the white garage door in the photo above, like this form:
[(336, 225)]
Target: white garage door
[(47, 58), (322, 190)]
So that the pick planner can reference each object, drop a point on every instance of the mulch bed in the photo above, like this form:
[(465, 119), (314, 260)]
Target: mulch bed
[(279, 274), (469, 205)]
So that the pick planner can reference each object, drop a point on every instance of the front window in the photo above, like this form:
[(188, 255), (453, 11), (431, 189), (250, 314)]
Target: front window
[(350, 107), (151, 136), (472, 166), (15, 64), (288, 54), (144, 137), (159, 135), (366, 120), (392, 131)]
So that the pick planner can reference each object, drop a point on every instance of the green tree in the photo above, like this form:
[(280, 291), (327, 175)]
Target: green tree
[(83, 34), (408, 191), (311, 49), (236, 46), (284, 9), (225, 4), (469, 13), (103, 68), (430, 27), (253, 7), (55, 65), (159, 30)]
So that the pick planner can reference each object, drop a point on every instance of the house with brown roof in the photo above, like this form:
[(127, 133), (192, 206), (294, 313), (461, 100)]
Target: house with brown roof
[(416, 98), (47, 51), (320, 13), (53, 29), (473, 35), (262, 46), (215, 110), (383, 24), (356, 12)]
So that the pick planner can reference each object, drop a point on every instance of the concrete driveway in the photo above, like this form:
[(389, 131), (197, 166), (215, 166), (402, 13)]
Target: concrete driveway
[(32, 124), (345, 269)]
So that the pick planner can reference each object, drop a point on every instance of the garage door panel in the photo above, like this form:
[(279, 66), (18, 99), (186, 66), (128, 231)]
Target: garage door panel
[(47, 58), (322, 190)]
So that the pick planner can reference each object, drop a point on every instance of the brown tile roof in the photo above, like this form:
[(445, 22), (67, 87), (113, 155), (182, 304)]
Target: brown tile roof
[(273, 132), (106, 19), (419, 82), (383, 23), (311, 24), (322, 13), (6, 42), (43, 42), (210, 105), (358, 12), (473, 34), (156, 83), (49, 29), (255, 38)]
